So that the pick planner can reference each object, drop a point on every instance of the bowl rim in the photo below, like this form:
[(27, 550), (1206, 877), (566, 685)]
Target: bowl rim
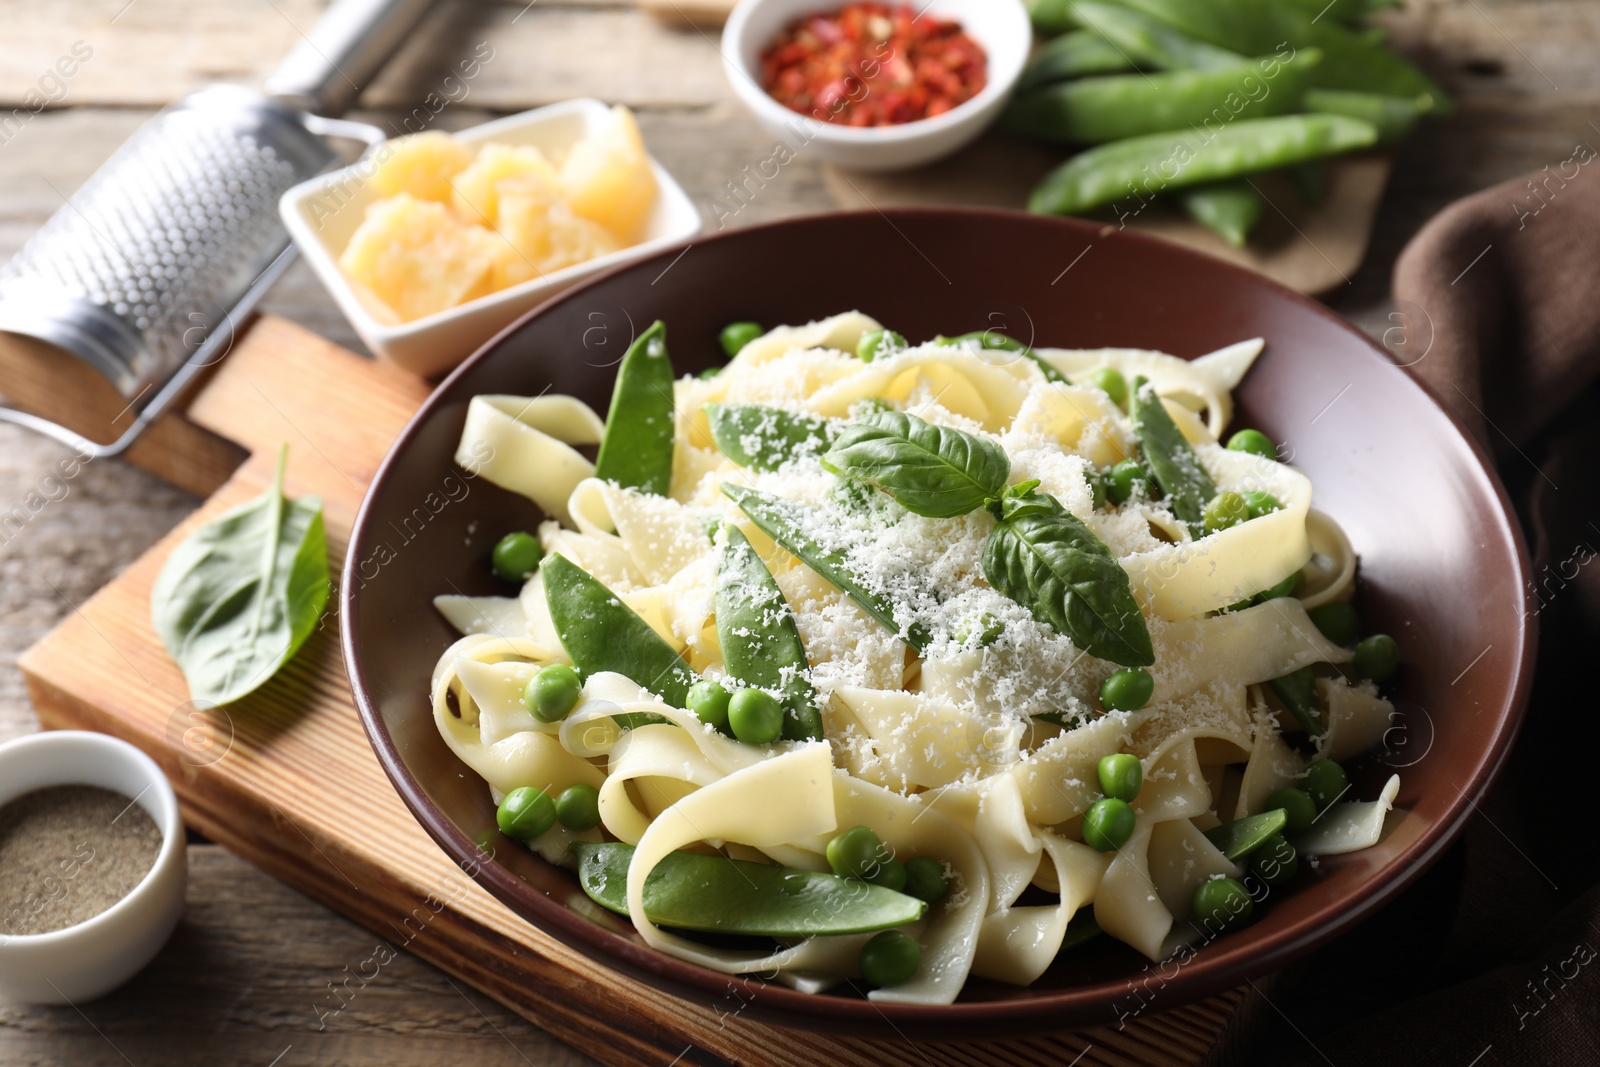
[(1206, 974), (748, 88)]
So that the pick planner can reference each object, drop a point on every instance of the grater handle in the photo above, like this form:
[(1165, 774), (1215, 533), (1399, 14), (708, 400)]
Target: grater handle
[(330, 67)]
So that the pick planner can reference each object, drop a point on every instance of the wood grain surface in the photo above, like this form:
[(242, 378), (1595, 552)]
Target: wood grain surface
[(237, 984)]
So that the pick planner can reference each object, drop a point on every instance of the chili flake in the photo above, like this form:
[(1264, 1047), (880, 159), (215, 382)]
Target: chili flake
[(873, 64)]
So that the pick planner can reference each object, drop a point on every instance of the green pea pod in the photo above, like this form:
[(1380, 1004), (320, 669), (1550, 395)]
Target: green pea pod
[(1119, 106), (1175, 466), (1052, 16), (636, 450), (1393, 116), (760, 643), (784, 522), (999, 342), (1310, 180), (714, 894), (1231, 209), (1149, 42), (1298, 691), (1256, 27), (1148, 166), (1349, 12), (762, 438), (601, 633), (1073, 55), (1239, 838)]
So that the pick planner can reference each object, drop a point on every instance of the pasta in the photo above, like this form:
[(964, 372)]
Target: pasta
[(961, 710)]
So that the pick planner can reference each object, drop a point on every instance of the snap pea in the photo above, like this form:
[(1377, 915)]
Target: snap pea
[(715, 894), (1298, 691), (1239, 838), (1073, 55), (783, 521), (601, 633), (1157, 163), (636, 449), (1230, 209), (999, 342), (1310, 180), (1175, 466), (1150, 42), (1120, 106), (1053, 16), (1394, 117), (763, 438), (760, 643)]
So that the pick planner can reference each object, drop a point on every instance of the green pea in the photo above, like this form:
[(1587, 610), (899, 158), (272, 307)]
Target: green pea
[(709, 373), (1121, 774), (516, 556), (1127, 690), (1275, 862), (1108, 824), (755, 716), (1109, 380), (578, 807), (889, 873), (875, 343), (890, 958), (1254, 442), (1222, 902), (1286, 587), (925, 879), (1097, 488), (709, 701), (526, 813), (1124, 478), (1297, 804), (736, 335), (856, 852), (1261, 503), (1338, 621), (553, 692), (1325, 782), (1377, 657), (1225, 510)]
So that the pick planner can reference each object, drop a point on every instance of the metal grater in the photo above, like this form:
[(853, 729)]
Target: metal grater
[(150, 268)]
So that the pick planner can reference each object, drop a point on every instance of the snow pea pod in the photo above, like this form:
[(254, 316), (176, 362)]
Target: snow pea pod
[(1073, 55), (636, 450), (1298, 691), (760, 642), (1239, 838), (1229, 208), (601, 633), (1052, 16), (1150, 165), (784, 522), (763, 438), (1393, 116), (691, 891), (1119, 106), (1149, 42), (1175, 466), (995, 341)]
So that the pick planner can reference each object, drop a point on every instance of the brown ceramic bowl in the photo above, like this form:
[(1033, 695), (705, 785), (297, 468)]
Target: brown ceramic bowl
[(1443, 567)]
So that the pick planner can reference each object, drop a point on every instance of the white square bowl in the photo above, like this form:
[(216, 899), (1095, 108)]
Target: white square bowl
[(324, 212)]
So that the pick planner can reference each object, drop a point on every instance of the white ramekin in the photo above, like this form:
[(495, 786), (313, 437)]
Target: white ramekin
[(90, 959), (1000, 26)]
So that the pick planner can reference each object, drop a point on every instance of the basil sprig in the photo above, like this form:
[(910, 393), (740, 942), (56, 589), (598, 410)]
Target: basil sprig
[(1043, 557), (934, 471), (1175, 466), (240, 595)]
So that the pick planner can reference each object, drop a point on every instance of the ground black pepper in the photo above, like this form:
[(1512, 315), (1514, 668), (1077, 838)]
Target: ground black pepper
[(68, 853)]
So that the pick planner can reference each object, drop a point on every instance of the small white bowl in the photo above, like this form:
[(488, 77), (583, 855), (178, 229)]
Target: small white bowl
[(1000, 26), (324, 212), (81, 962)]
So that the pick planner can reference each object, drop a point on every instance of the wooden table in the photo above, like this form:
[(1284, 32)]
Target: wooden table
[(239, 981)]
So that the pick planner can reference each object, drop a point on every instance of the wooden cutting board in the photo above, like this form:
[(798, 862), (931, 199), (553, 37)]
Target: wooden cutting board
[(286, 777)]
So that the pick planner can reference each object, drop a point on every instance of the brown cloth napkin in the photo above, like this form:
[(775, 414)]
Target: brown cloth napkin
[(1494, 956)]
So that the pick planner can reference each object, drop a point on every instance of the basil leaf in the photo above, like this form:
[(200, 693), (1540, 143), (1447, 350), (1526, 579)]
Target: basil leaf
[(762, 438), (240, 595), (760, 641), (783, 521), (1043, 557), (601, 633), (999, 342), (1175, 466), (935, 471), (636, 449)]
